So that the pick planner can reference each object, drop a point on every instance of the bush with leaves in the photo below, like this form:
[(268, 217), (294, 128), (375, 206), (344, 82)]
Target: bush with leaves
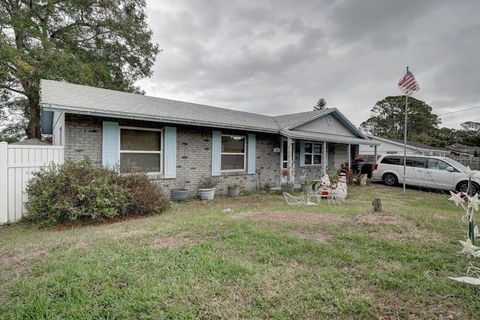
[(82, 192)]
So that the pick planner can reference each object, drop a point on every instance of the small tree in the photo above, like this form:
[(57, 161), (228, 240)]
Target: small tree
[(320, 105)]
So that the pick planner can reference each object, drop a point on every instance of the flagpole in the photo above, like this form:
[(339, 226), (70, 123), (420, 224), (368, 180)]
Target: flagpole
[(405, 143)]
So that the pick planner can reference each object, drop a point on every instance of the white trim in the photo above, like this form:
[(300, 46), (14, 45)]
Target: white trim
[(120, 151), (244, 154)]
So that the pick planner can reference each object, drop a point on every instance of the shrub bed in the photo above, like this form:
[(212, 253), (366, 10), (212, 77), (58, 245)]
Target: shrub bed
[(82, 192)]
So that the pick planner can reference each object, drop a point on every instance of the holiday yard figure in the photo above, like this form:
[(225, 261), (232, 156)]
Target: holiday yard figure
[(325, 185), (469, 203), (339, 193)]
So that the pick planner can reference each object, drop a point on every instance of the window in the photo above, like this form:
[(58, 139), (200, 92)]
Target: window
[(416, 162), (233, 153), (393, 160), (141, 149), (436, 164), (313, 154)]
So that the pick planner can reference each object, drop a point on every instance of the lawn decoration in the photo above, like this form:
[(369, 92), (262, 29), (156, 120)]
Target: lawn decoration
[(470, 204), (304, 199), (339, 194), (325, 185)]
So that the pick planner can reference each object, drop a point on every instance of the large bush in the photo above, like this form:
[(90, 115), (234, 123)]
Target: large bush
[(82, 192)]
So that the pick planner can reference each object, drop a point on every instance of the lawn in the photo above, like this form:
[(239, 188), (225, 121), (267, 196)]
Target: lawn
[(263, 260)]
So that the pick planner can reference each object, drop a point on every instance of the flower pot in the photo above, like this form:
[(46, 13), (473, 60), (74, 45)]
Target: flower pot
[(306, 187), (206, 194), (179, 195), (288, 188), (233, 191)]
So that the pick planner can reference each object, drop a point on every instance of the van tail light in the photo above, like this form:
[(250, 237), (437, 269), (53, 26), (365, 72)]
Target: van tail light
[(375, 166)]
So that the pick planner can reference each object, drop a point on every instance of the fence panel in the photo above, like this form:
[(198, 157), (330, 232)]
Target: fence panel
[(473, 163), (17, 164)]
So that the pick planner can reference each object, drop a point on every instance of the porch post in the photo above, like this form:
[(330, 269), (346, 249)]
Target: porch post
[(349, 155), (375, 154), (324, 156), (290, 160)]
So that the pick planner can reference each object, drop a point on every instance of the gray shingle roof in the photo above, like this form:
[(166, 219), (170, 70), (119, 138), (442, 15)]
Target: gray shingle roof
[(102, 102), (75, 97)]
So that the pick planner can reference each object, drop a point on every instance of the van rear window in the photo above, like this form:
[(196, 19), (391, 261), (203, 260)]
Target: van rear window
[(392, 160)]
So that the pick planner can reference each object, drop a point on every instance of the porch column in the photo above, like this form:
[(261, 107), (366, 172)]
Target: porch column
[(349, 155), (375, 154), (324, 156), (290, 160)]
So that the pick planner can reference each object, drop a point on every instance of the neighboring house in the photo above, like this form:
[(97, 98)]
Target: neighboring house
[(179, 143), (396, 146), (463, 150)]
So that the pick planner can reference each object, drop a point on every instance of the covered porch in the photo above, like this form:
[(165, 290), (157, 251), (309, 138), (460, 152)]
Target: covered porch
[(310, 157)]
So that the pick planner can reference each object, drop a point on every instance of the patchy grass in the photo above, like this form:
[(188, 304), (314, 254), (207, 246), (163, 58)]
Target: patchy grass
[(263, 260)]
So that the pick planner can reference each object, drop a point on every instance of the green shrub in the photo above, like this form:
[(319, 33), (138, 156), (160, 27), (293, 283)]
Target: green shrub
[(82, 192)]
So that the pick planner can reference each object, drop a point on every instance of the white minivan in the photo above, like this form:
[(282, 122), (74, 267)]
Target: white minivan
[(425, 171)]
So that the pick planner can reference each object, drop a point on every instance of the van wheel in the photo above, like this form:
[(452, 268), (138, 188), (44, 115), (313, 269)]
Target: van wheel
[(463, 186), (390, 179)]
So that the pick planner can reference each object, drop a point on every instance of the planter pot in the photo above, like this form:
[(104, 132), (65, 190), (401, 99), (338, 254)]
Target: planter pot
[(306, 187), (179, 195), (206, 194), (288, 188), (233, 191)]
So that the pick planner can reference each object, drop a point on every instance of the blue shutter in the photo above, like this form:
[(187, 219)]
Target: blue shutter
[(110, 144), (216, 153), (251, 157), (170, 151), (302, 153)]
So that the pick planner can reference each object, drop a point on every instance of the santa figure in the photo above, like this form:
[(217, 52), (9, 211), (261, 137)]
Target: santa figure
[(325, 185)]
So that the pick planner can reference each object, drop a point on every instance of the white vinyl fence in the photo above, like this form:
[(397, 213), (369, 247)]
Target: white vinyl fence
[(17, 164)]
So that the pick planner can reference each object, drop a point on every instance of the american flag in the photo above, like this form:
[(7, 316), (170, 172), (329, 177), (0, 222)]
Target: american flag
[(408, 84)]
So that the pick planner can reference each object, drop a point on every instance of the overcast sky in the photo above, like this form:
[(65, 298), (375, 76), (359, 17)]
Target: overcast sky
[(280, 56)]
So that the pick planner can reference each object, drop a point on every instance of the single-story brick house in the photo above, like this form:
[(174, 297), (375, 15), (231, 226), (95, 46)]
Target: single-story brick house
[(179, 143)]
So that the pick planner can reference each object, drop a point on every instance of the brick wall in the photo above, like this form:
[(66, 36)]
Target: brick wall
[(83, 138)]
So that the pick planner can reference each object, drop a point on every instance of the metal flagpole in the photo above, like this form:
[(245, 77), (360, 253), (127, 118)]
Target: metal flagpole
[(405, 143)]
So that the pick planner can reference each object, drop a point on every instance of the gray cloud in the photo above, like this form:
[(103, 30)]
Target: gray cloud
[(280, 56)]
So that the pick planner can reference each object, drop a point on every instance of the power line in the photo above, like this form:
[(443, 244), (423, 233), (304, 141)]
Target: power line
[(459, 111)]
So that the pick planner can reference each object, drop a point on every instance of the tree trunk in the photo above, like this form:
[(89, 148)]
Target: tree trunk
[(33, 127)]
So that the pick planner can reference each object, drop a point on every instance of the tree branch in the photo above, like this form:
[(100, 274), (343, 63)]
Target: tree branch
[(13, 90)]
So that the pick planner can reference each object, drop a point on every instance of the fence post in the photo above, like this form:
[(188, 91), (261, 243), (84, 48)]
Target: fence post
[(3, 182)]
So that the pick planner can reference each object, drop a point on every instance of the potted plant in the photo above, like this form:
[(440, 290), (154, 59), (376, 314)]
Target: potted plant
[(233, 190), (306, 185), (286, 186), (206, 189), (179, 194)]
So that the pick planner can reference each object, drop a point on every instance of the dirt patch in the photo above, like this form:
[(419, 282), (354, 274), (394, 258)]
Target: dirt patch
[(318, 236), (297, 217), (373, 218), (393, 227), (23, 256), (170, 241)]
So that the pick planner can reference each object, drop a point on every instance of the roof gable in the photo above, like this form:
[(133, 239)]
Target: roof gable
[(331, 121), (327, 123)]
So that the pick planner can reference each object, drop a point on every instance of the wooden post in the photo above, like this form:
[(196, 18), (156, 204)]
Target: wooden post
[(377, 205)]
